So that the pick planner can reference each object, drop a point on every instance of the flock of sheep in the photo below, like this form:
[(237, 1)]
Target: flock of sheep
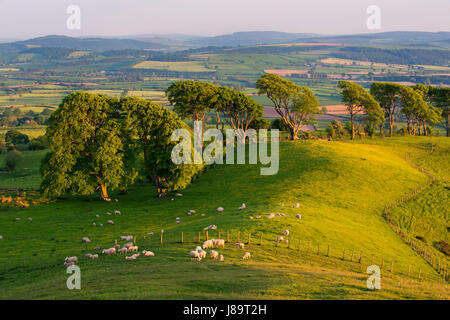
[(198, 254)]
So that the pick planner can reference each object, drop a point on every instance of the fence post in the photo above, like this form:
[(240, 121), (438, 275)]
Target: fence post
[(392, 266), (249, 237), (199, 238), (328, 251), (351, 259), (219, 234), (161, 237), (207, 236), (360, 257), (181, 236), (228, 236), (420, 272), (260, 240)]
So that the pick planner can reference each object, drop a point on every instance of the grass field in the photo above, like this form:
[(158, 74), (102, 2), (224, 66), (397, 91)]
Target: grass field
[(187, 66), (342, 188)]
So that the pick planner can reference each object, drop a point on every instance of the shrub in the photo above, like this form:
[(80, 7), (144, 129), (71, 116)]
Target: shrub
[(39, 143), (261, 123), (443, 247), (15, 137), (330, 131), (11, 159), (279, 124)]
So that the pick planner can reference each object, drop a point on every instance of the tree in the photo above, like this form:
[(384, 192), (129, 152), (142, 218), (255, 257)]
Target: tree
[(149, 127), (14, 137), (294, 104), (11, 159), (260, 123), (440, 98), (359, 101), (87, 153), (388, 96)]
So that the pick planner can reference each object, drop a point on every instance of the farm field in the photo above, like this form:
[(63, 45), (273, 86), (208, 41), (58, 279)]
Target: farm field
[(342, 188)]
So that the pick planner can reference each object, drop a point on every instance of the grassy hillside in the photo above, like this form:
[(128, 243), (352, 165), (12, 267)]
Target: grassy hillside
[(341, 187)]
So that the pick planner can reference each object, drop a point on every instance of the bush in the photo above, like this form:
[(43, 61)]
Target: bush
[(279, 124), (15, 137), (258, 124), (11, 159), (330, 131), (39, 143)]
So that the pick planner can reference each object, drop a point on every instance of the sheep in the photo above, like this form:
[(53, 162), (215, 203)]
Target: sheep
[(126, 238), (280, 239), (221, 258), (214, 254), (286, 241), (220, 209), (133, 249), (110, 222), (202, 214), (219, 243), (148, 253), (178, 195), (212, 227), (109, 251), (240, 245), (117, 246), (97, 216), (251, 218), (73, 259), (94, 256), (1, 237), (88, 256), (117, 213), (242, 207), (177, 222), (258, 217), (116, 200), (86, 240), (296, 206), (123, 250), (108, 213), (271, 216), (150, 234), (286, 232), (198, 248), (246, 256), (192, 211), (298, 216), (195, 255), (128, 245), (30, 219), (94, 224), (282, 204), (208, 244), (17, 219), (177, 218), (130, 257), (101, 225)]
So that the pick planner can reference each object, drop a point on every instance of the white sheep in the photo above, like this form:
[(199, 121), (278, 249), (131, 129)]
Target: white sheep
[(271, 216), (195, 255), (117, 213), (258, 217), (123, 250), (207, 244), (1, 237), (88, 256), (110, 222), (242, 207), (219, 243), (298, 216), (133, 257), (220, 209), (133, 249), (297, 205), (150, 234), (280, 239), (128, 244), (202, 214), (108, 213), (240, 245), (177, 222), (286, 232), (126, 238), (214, 254), (221, 258), (30, 219), (246, 256), (178, 195), (101, 225), (86, 240), (212, 227), (97, 216), (251, 218), (177, 218), (109, 251), (94, 256), (148, 253), (73, 259)]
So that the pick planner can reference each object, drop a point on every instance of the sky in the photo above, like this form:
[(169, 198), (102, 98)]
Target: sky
[(20, 19)]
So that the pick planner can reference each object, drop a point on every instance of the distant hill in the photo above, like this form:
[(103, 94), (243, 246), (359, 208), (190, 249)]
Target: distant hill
[(250, 38), (93, 44)]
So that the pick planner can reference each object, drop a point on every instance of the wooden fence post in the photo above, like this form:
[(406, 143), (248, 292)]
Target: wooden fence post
[(249, 237), (199, 237), (161, 237), (207, 236), (219, 234), (360, 257), (228, 236), (328, 251), (420, 272), (181, 236), (392, 266), (260, 240)]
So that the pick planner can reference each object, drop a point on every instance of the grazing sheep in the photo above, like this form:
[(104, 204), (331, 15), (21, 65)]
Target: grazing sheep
[(177, 218), (97, 248), (109, 251), (17, 219), (117, 213), (86, 240), (212, 227), (1, 237), (123, 250), (116, 200), (128, 244), (192, 211), (177, 222), (242, 207), (258, 217), (126, 238), (251, 218), (298, 216), (110, 222), (271, 216), (150, 233), (97, 216), (133, 249), (214, 254), (94, 256), (208, 244), (108, 213), (296, 206), (88, 256), (31, 219), (220, 209), (195, 255), (101, 225), (202, 214), (240, 245), (219, 243), (148, 253), (280, 239), (221, 258), (73, 259), (286, 232), (133, 257), (198, 248), (246, 256), (282, 215), (94, 224), (178, 195)]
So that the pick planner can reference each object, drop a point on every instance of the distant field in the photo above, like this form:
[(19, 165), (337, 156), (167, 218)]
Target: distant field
[(32, 132), (184, 66)]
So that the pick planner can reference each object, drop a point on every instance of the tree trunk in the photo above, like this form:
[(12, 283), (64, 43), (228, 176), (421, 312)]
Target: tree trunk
[(103, 192), (353, 126), (391, 125)]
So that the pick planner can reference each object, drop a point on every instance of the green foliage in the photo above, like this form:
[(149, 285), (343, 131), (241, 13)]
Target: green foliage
[(330, 131), (260, 123), (279, 124), (87, 152), (149, 128), (11, 159), (14, 137), (39, 143)]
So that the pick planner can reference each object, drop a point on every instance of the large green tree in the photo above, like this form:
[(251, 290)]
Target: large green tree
[(440, 98), (294, 104), (87, 152), (388, 96), (149, 128), (359, 102)]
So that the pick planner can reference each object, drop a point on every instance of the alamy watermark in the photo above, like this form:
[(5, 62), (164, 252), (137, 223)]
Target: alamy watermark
[(374, 280), (213, 152), (74, 280), (73, 22), (374, 20)]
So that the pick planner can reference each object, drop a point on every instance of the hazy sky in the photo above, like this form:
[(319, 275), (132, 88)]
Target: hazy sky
[(30, 18)]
